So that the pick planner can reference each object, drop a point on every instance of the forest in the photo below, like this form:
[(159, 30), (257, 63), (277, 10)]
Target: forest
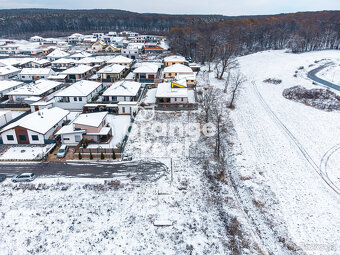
[(298, 32)]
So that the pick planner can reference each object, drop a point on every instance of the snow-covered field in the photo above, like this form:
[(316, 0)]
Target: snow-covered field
[(331, 73), (284, 142)]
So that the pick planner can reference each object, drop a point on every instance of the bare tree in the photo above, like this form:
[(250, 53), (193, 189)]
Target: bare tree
[(225, 60), (207, 99), (236, 81)]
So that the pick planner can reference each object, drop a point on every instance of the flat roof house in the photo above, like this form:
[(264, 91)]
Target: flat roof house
[(7, 72), (173, 70), (111, 73), (9, 85), (35, 128), (40, 89), (90, 126), (33, 74), (78, 94), (126, 91), (78, 73)]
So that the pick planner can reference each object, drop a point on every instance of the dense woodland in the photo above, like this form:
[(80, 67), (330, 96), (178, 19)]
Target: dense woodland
[(48, 22), (300, 32)]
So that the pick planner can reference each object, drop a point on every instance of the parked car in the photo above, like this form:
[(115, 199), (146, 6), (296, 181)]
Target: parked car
[(24, 177), (62, 151), (127, 158), (2, 177)]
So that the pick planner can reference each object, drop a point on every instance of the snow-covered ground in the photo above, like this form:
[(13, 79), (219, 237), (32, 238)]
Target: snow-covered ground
[(119, 124), (283, 143), (25, 152)]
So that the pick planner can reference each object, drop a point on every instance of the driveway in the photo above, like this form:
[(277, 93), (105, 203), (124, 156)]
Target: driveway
[(312, 75)]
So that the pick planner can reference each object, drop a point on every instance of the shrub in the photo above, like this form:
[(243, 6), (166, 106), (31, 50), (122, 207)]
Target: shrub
[(113, 154), (91, 156), (79, 156), (102, 155)]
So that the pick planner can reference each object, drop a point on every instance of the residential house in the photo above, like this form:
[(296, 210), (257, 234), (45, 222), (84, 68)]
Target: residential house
[(189, 78), (146, 73), (90, 126), (111, 73), (35, 128), (78, 73), (7, 72), (38, 89), (153, 48), (75, 38), (126, 91), (56, 54), (78, 94), (168, 93), (9, 85), (171, 60), (5, 117), (33, 74), (36, 39), (98, 46), (173, 70), (126, 108), (80, 55), (111, 49), (121, 60), (63, 64), (37, 63)]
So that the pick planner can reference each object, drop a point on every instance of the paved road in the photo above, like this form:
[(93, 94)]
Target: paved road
[(312, 75), (141, 170)]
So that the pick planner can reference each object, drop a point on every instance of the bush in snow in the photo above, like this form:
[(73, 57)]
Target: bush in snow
[(318, 98), (273, 81)]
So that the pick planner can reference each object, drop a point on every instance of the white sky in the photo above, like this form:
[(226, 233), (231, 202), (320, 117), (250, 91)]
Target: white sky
[(225, 7)]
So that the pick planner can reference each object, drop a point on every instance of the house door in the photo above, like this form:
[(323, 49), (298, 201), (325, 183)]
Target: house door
[(22, 135)]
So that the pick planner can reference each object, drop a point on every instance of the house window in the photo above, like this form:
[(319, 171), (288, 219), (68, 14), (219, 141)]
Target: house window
[(75, 99), (66, 139), (80, 99), (123, 109), (114, 98), (10, 138), (35, 138), (22, 137), (77, 138)]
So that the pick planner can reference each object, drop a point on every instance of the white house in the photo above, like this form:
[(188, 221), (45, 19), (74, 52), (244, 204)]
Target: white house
[(121, 60), (36, 39), (146, 72), (78, 94), (33, 74), (37, 63), (40, 88), (78, 72), (125, 108), (175, 69), (7, 72), (9, 85), (56, 54), (172, 60), (35, 128), (126, 91), (80, 55), (63, 63), (169, 94), (111, 73)]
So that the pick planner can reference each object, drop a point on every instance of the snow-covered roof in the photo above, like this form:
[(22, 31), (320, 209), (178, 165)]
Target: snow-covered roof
[(146, 68), (91, 60), (164, 90), (57, 53), (63, 61), (186, 76), (83, 54), (8, 70), (90, 119), (36, 71), (178, 68), (123, 88), (40, 121), (114, 68), (35, 89), (80, 88), (40, 61), (8, 84), (174, 59), (120, 60), (77, 69)]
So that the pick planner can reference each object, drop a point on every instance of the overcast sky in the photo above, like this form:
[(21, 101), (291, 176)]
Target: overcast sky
[(225, 7)]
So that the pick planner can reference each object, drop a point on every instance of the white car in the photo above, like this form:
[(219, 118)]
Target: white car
[(24, 177), (62, 151)]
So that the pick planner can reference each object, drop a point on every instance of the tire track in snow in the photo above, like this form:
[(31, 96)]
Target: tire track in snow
[(309, 159)]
